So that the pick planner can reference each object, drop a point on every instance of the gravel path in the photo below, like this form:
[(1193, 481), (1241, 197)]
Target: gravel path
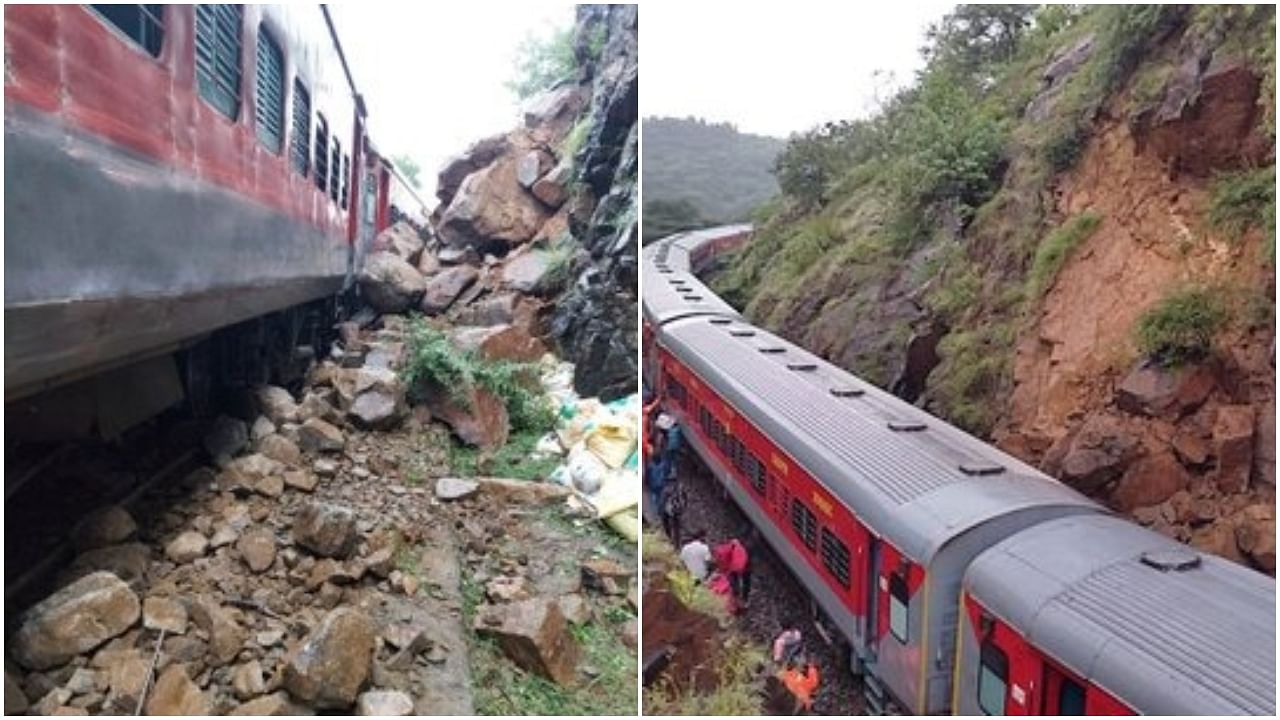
[(777, 599)]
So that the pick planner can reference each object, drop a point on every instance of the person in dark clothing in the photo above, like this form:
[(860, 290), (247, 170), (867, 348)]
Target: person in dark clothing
[(674, 501)]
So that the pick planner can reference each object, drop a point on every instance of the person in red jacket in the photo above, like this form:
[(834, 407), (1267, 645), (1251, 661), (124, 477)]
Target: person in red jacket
[(732, 559)]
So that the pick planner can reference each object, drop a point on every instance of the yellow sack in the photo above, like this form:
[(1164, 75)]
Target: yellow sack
[(612, 441)]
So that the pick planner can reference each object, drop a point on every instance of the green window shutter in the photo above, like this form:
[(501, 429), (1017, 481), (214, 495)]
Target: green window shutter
[(269, 108), (218, 42), (144, 24), (300, 146)]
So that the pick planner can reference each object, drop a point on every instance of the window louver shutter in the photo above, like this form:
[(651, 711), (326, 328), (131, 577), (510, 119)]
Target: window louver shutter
[(322, 154), (300, 146), (269, 108), (218, 44)]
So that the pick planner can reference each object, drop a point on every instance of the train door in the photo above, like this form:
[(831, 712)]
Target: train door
[(1061, 693)]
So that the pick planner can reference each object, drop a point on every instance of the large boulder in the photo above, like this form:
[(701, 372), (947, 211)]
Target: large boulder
[(316, 435), (250, 473), (550, 114), (553, 188), (105, 526), (1098, 453), (532, 166), (1233, 446), (1156, 391), (478, 156), (401, 240), (187, 546), (276, 404), (332, 665), (1149, 481), (477, 416), (500, 342), (389, 283), (446, 286), (281, 449), (1256, 535), (526, 272), (534, 634), (127, 561), (326, 529), (491, 211), (75, 620), (372, 396)]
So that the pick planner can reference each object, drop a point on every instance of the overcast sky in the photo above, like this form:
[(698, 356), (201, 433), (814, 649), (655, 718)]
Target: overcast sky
[(774, 68), (433, 74)]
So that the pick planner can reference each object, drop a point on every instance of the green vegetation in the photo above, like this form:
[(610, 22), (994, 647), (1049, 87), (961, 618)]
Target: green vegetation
[(713, 168), (667, 217), (517, 459), (542, 62), (433, 357), (1245, 200), (1181, 327), (1057, 247), (576, 138), (409, 168)]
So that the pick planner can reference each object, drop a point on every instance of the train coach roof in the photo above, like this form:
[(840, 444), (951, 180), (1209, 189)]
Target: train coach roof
[(911, 477), (1198, 641), (671, 292), (694, 239)]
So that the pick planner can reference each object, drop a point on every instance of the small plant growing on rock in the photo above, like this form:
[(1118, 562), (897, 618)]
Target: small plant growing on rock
[(1181, 327), (1052, 254)]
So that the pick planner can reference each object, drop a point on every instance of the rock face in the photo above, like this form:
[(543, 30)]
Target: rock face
[(1233, 446), (74, 620), (333, 663), (534, 635), (445, 287), (1150, 389), (325, 529), (595, 321), (390, 284)]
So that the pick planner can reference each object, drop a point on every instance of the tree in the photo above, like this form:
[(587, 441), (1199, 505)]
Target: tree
[(543, 62), (666, 217), (975, 36), (409, 169)]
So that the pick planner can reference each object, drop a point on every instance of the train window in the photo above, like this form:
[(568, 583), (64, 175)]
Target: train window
[(335, 175), (805, 524), (269, 107), (1070, 697), (993, 679), (346, 163), (835, 557), (300, 145), (759, 479), (142, 23), (899, 603), (322, 153), (218, 42)]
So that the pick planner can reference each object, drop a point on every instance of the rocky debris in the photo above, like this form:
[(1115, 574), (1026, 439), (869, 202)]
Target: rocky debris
[(1156, 391), (175, 694), (446, 286), (534, 635), (316, 435), (606, 576), (1149, 481), (457, 169), (326, 529), (281, 449), (247, 680), (1191, 447), (550, 114), (401, 240), (74, 620), (389, 283), (575, 609), (1233, 446), (478, 418), (226, 438), (105, 526), (1255, 533), (1060, 69), (219, 624), (500, 342), (186, 547), (273, 705), (276, 404), (303, 480), (262, 427), (128, 561), (527, 272), (506, 589), (451, 488), (332, 664), (254, 473), (491, 211), (258, 548), (164, 613), (493, 310), (384, 703), (506, 490)]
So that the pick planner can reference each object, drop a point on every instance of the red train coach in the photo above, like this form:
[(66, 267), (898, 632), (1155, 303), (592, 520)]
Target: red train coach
[(173, 170)]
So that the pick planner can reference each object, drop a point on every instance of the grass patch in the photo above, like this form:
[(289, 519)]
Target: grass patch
[(1242, 201), (433, 357), (740, 690), (517, 459), (576, 138), (1054, 250), (1181, 327)]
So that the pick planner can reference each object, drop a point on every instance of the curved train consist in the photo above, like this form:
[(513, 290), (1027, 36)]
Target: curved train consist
[(174, 170), (962, 579)]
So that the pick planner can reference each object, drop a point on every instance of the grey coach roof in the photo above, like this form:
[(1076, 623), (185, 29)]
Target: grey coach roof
[(910, 476), (671, 292), (1170, 642)]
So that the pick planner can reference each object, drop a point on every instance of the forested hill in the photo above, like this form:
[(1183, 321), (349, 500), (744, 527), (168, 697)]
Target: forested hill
[(710, 168)]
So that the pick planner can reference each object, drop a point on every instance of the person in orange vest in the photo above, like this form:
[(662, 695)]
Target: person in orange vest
[(802, 683)]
